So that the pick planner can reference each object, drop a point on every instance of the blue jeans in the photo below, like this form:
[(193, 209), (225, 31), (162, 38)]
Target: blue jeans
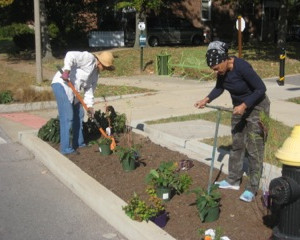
[(71, 120)]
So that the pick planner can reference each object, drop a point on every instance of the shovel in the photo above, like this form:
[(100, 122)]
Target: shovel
[(219, 109), (103, 133)]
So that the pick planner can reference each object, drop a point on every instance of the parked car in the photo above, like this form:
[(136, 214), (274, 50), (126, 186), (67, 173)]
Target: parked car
[(161, 31), (294, 33)]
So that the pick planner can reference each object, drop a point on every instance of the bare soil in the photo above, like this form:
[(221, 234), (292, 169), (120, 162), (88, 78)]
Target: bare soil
[(238, 220)]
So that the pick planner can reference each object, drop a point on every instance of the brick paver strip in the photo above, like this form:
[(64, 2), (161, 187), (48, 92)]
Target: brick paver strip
[(26, 119)]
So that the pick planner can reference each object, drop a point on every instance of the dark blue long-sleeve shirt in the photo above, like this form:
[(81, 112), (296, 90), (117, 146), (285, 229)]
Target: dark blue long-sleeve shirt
[(243, 84)]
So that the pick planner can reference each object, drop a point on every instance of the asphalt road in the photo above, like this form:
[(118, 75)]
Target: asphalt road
[(35, 205)]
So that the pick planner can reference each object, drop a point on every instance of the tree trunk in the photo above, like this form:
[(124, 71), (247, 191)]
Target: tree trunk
[(46, 45), (38, 52), (282, 24), (137, 30)]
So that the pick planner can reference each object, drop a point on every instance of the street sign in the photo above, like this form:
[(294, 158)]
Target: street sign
[(142, 26), (142, 40), (243, 24)]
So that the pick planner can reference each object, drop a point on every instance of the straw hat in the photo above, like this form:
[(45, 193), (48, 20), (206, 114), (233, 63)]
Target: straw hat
[(106, 58)]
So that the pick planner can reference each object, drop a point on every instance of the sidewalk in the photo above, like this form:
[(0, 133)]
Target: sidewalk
[(175, 97)]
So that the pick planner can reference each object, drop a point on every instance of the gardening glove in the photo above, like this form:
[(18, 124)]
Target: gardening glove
[(65, 75), (91, 112)]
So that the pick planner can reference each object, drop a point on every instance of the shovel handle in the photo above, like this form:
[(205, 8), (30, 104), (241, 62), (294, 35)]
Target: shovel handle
[(220, 108)]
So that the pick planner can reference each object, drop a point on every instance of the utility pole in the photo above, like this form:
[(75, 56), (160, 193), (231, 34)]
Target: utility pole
[(38, 48)]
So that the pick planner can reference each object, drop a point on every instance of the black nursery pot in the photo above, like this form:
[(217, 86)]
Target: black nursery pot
[(160, 220)]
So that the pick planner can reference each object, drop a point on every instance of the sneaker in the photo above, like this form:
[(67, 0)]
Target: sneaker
[(247, 196), (72, 153), (225, 185)]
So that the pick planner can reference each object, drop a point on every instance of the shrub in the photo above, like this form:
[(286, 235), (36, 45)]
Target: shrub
[(119, 123), (24, 41), (14, 29), (50, 131), (6, 97), (140, 210)]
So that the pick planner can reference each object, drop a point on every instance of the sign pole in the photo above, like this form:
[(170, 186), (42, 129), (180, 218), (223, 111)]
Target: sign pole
[(142, 27), (142, 61), (240, 35)]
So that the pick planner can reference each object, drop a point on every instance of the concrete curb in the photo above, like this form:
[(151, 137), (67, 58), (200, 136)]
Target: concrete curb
[(202, 149), (205, 152), (163, 136), (32, 106), (96, 196), (23, 107)]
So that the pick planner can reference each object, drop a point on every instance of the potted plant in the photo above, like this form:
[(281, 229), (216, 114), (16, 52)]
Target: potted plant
[(208, 203), (152, 209), (104, 146), (166, 178), (128, 157)]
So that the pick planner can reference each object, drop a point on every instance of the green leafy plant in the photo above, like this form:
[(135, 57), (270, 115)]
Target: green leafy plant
[(119, 123), (90, 130), (140, 210), (104, 141), (105, 119), (127, 153), (50, 131), (166, 175), (207, 202), (6, 97)]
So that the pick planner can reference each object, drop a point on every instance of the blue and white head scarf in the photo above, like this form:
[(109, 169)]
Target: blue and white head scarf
[(217, 52)]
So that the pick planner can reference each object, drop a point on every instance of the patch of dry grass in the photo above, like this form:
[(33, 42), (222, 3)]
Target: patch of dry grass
[(20, 86), (263, 57), (295, 100)]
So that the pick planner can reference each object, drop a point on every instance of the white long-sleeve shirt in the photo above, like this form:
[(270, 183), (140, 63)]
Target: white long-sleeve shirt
[(83, 75)]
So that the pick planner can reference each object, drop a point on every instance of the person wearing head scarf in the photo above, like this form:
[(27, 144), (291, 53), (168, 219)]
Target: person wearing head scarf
[(249, 100), (82, 70)]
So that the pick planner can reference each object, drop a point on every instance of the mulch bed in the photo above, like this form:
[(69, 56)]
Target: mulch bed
[(238, 220)]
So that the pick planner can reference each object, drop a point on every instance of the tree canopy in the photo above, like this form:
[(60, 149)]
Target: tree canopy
[(4, 3), (142, 6)]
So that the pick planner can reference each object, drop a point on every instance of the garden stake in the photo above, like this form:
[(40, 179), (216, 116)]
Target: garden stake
[(103, 133), (219, 109)]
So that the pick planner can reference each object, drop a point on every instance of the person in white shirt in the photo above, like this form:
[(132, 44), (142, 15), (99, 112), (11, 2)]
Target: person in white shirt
[(82, 70)]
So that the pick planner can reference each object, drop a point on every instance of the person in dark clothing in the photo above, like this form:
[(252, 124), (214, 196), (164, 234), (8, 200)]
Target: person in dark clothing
[(249, 99)]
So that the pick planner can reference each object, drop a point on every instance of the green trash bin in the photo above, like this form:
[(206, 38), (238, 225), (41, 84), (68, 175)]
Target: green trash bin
[(162, 67)]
